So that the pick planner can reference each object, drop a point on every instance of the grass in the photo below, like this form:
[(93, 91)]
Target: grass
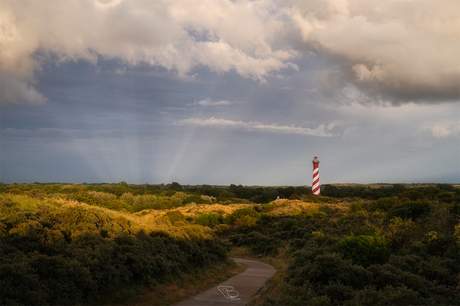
[(189, 285)]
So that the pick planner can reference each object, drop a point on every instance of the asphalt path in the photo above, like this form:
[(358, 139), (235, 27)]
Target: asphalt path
[(236, 290)]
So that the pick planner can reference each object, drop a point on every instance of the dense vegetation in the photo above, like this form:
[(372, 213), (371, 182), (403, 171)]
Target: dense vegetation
[(354, 245)]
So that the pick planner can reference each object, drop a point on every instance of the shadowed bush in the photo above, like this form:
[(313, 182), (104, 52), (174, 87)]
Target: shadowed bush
[(364, 250), (409, 210)]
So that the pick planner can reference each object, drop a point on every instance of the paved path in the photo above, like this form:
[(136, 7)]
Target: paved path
[(236, 290)]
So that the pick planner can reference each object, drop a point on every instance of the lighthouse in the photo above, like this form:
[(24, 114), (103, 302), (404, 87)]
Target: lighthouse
[(315, 185)]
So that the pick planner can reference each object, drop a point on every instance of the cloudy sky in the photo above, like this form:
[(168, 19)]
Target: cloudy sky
[(230, 92)]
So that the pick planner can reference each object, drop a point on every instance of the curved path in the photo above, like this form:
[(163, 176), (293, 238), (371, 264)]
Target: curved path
[(236, 290)]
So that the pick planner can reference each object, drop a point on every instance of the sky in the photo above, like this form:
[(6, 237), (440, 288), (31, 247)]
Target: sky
[(227, 92)]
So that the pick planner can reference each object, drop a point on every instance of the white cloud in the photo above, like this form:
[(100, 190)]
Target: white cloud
[(210, 102), (395, 50), (442, 129), (320, 131)]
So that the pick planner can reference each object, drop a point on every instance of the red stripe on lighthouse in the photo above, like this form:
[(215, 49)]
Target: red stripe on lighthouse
[(315, 186)]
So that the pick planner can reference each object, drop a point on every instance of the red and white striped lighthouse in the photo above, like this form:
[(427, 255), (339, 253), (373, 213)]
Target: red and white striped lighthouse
[(315, 185)]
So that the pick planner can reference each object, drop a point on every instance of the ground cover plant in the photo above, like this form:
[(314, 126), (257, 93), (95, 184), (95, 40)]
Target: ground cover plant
[(110, 243)]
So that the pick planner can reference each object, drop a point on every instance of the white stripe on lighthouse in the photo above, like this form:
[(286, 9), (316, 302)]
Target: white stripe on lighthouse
[(315, 185)]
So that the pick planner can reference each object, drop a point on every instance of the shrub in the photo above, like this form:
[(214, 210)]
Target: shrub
[(409, 210), (412, 195), (245, 222), (431, 191), (209, 220), (128, 197), (297, 296), (237, 214), (20, 283), (264, 219), (355, 207), (257, 242), (387, 296), (364, 250), (445, 197), (455, 209), (445, 187), (386, 274), (385, 204), (326, 269), (221, 228), (399, 231)]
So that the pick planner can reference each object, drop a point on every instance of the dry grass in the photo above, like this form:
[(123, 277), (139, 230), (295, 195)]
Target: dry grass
[(194, 211), (292, 207), (190, 285), (296, 207)]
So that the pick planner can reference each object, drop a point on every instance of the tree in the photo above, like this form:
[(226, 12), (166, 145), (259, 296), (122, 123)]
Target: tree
[(175, 186)]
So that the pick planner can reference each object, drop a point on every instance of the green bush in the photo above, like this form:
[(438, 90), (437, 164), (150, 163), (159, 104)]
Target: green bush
[(242, 212), (245, 222), (325, 272), (264, 219), (257, 242), (209, 220), (455, 209), (409, 210), (387, 296), (385, 204), (386, 274), (411, 195), (364, 250), (297, 296)]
